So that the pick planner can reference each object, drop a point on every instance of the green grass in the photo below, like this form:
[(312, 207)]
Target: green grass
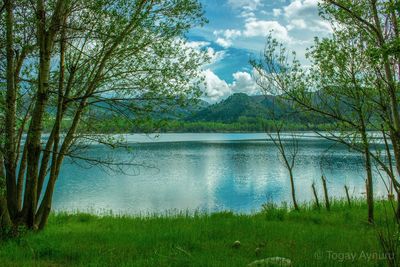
[(309, 238)]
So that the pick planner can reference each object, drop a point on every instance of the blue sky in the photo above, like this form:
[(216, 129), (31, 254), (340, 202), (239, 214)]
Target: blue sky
[(236, 32)]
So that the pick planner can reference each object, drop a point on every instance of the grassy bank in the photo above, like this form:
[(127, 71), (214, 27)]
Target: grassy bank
[(308, 238)]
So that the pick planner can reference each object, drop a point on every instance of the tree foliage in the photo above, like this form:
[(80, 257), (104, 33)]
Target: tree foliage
[(62, 58), (353, 80)]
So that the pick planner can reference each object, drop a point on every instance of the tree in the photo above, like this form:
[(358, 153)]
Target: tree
[(288, 146), (376, 24), (349, 82), (85, 58), (331, 88), (345, 91), (341, 85), (288, 150)]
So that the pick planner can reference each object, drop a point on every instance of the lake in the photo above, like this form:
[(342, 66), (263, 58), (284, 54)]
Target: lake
[(206, 172)]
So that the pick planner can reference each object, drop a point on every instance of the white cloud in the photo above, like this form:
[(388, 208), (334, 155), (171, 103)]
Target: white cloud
[(247, 4), (301, 8), (215, 56), (264, 27), (197, 44), (277, 12), (248, 16), (293, 22), (247, 8), (297, 24), (321, 26), (232, 33), (307, 12), (216, 89), (225, 37), (244, 83), (225, 43)]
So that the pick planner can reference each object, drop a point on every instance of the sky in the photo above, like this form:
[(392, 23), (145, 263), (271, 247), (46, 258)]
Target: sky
[(237, 31)]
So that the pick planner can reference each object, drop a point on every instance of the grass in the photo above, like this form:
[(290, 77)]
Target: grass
[(309, 238)]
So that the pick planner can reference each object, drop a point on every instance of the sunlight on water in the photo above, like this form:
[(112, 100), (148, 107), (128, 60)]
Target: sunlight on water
[(206, 172)]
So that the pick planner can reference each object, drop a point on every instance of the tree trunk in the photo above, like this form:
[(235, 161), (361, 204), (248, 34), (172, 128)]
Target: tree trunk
[(368, 169), (370, 192), (20, 179), (10, 114), (33, 157), (315, 195), (45, 39), (296, 207), (45, 207), (327, 202), (5, 221), (398, 207), (347, 195)]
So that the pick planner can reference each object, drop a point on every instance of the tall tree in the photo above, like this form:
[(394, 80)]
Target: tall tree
[(288, 148), (376, 24), (349, 81), (334, 87), (88, 58)]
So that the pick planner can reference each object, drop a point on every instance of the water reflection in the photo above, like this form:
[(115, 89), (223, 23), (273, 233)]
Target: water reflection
[(207, 172)]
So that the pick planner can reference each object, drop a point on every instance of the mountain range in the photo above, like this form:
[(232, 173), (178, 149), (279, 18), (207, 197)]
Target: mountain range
[(240, 105)]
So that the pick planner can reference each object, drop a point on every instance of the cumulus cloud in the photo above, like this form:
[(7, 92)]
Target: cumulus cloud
[(248, 16), (244, 83), (264, 27), (225, 37), (225, 43), (215, 56), (250, 4), (247, 7), (301, 8), (307, 12), (216, 89), (197, 44), (232, 33), (297, 24), (277, 12)]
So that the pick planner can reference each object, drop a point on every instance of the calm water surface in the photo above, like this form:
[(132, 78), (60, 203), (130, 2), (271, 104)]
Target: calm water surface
[(206, 172)]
